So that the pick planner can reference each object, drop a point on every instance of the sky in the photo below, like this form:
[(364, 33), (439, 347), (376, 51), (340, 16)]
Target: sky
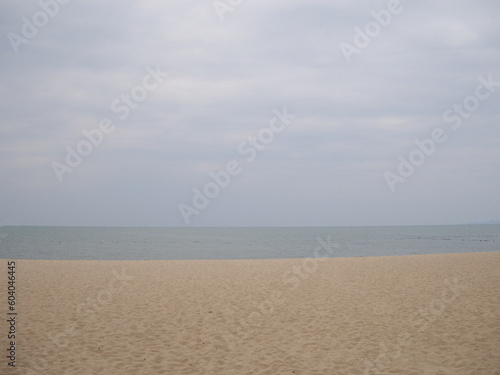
[(249, 113)]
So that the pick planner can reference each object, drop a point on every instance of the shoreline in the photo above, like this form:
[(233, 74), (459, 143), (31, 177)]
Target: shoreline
[(246, 259), (410, 314)]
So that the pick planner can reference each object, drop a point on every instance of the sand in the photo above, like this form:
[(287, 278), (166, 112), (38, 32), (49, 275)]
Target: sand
[(422, 314)]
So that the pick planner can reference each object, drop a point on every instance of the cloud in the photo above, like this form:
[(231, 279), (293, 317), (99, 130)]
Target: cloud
[(224, 80)]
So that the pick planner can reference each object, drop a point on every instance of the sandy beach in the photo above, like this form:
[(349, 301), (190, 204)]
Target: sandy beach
[(422, 314)]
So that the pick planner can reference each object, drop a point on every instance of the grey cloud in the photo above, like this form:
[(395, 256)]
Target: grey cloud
[(225, 78)]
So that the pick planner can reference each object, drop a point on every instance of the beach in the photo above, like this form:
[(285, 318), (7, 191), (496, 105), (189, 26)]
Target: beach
[(414, 314)]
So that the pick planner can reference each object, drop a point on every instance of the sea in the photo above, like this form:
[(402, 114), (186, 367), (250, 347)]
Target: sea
[(105, 243)]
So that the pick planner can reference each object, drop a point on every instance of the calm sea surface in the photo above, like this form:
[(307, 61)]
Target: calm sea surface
[(239, 243)]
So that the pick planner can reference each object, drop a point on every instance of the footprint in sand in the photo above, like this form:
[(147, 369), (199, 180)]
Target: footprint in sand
[(439, 370)]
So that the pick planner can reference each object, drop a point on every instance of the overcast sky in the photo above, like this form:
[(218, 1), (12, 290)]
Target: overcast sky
[(359, 102)]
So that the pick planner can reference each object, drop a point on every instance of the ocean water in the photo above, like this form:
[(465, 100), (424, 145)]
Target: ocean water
[(86, 243)]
